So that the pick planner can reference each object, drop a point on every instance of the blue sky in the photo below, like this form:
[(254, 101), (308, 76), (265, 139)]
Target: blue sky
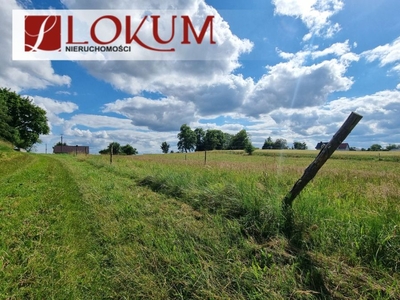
[(294, 69)]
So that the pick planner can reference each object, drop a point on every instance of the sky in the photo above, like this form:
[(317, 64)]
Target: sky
[(286, 69)]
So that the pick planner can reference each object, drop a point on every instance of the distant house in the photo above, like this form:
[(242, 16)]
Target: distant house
[(342, 146), (71, 149), (321, 145)]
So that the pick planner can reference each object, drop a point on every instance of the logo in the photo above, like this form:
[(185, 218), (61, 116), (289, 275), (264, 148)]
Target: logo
[(114, 35), (42, 33)]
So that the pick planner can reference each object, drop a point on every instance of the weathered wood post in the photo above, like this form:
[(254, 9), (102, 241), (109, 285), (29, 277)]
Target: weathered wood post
[(205, 157), (111, 153), (319, 161)]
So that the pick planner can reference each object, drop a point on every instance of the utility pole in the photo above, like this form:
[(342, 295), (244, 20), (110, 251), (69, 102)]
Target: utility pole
[(61, 143)]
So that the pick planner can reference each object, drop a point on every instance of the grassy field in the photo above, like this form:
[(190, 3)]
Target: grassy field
[(171, 227)]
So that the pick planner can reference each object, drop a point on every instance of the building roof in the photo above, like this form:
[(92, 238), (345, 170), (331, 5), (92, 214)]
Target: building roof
[(320, 144), (342, 146)]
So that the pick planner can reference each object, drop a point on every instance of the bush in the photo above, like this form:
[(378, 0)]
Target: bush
[(249, 149)]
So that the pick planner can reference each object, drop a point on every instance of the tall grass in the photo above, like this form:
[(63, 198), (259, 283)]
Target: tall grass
[(351, 209)]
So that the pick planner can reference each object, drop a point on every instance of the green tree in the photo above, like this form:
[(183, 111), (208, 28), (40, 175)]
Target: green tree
[(375, 147), (200, 135), (116, 147), (280, 144), (165, 147), (6, 131), (187, 139), (22, 122), (227, 140), (214, 139), (300, 146), (128, 150), (249, 149), (268, 144), (104, 151), (239, 140), (392, 146)]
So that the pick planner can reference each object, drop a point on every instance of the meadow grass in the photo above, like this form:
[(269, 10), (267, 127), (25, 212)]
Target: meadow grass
[(170, 227)]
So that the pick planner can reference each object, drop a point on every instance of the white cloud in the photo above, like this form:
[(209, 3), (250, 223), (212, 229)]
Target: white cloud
[(53, 108), (160, 115), (66, 93), (380, 119), (294, 84), (387, 54), (189, 89), (168, 76), (337, 49), (19, 75), (315, 14), (198, 89), (98, 121)]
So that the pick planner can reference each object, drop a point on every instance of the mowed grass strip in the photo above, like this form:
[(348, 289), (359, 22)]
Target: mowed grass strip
[(47, 250)]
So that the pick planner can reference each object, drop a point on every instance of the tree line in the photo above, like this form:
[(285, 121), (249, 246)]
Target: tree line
[(117, 149), (214, 139), (377, 147), (21, 121), (211, 139), (282, 144)]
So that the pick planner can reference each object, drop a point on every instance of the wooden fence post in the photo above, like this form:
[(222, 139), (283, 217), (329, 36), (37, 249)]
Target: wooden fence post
[(111, 153), (314, 167), (321, 158)]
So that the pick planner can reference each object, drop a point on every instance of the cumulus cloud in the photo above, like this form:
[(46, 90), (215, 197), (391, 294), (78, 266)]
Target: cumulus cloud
[(315, 14), (297, 84), (379, 111), (388, 54), (189, 89), (98, 121), (165, 114), (53, 108), (201, 89), (20, 75)]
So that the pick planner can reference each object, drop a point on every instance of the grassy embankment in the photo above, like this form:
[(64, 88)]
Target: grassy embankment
[(160, 226)]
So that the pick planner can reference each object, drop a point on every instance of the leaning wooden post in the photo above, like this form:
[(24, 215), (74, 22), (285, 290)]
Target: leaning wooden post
[(321, 158), (314, 167)]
